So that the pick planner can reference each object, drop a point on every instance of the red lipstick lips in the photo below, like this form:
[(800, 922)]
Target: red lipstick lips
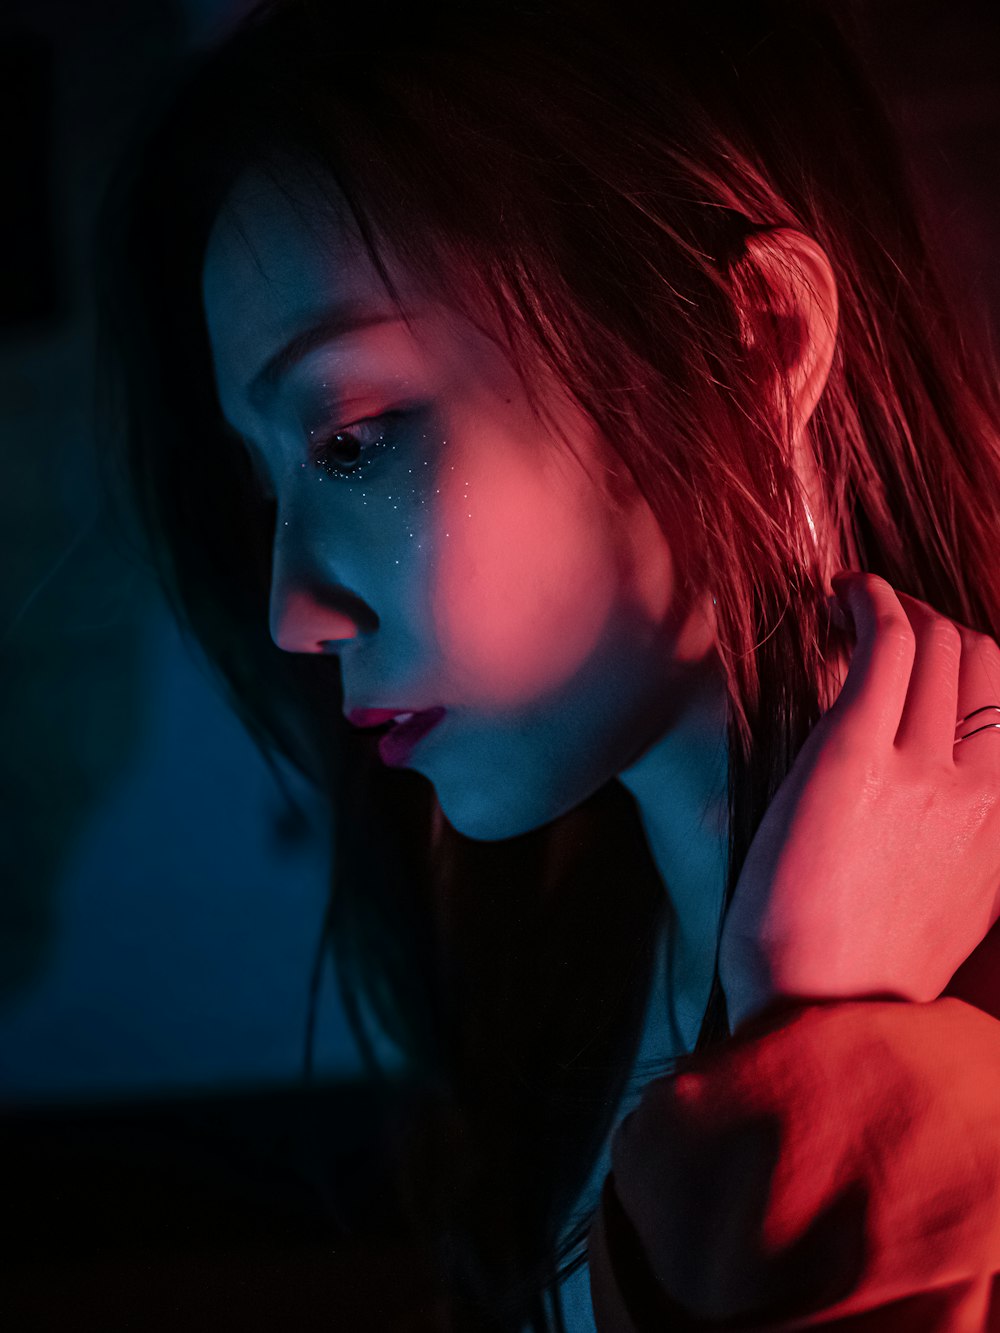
[(398, 742), (396, 746), (373, 717)]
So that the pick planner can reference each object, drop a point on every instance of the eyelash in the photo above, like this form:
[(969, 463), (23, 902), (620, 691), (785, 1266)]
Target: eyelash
[(319, 449)]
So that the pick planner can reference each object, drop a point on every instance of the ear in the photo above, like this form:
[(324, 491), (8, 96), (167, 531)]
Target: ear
[(804, 295), (802, 307)]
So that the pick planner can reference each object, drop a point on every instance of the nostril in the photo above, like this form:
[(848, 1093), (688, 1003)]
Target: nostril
[(333, 627), (333, 645), (302, 622), (313, 619)]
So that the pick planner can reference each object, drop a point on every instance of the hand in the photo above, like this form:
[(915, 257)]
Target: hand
[(876, 868)]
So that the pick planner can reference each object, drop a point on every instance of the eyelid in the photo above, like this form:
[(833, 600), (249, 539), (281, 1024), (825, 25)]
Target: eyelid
[(320, 435), (381, 422)]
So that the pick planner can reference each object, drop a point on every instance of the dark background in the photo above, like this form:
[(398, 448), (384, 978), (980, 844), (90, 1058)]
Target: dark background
[(158, 906)]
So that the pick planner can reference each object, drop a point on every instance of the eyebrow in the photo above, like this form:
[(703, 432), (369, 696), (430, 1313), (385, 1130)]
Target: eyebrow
[(335, 322)]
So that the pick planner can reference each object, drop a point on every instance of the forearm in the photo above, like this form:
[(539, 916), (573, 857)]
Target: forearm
[(827, 1162)]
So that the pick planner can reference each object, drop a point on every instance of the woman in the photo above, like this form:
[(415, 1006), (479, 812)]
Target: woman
[(532, 370)]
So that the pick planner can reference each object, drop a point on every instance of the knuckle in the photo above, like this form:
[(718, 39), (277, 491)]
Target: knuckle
[(944, 636), (979, 644), (894, 630), (984, 752), (981, 658), (941, 773), (932, 627), (877, 589)]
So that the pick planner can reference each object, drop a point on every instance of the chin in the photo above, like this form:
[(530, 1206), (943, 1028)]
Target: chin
[(480, 815), (485, 825)]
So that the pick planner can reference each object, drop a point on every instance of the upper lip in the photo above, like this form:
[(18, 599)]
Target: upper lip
[(375, 717)]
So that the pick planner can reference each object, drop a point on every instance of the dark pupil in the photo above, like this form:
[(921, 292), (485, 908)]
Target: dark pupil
[(353, 449)]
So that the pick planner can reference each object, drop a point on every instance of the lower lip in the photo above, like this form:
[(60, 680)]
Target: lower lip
[(399, 741)]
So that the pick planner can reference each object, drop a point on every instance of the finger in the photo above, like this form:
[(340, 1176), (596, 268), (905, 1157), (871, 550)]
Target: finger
[(874, 690), (931, 706), (978, 687)]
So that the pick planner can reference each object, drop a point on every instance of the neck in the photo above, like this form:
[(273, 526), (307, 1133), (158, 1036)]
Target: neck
[(680, 785)]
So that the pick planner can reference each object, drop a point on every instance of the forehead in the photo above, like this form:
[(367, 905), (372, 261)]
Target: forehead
[(278, 261), (274, 260)]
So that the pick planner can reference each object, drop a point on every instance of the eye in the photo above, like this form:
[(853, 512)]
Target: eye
[(351, 450)]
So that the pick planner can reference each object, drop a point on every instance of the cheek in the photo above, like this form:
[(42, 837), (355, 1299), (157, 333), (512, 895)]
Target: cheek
[(650, 576), (525, 578)]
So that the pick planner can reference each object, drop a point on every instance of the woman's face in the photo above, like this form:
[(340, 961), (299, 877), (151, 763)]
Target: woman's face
[(436, 536)]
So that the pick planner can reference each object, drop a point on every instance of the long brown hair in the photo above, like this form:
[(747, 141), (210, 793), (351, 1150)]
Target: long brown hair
[(583, 177)]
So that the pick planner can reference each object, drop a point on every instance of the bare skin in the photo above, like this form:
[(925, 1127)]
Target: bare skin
[(876, 869), (688, 834), (485, 567), (435, 536)]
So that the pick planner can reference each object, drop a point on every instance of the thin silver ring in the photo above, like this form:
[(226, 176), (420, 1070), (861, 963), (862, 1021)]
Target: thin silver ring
[(989, 726)]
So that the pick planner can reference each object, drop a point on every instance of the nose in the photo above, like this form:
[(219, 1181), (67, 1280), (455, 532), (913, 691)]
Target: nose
[(306, 619), (310, 610)]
